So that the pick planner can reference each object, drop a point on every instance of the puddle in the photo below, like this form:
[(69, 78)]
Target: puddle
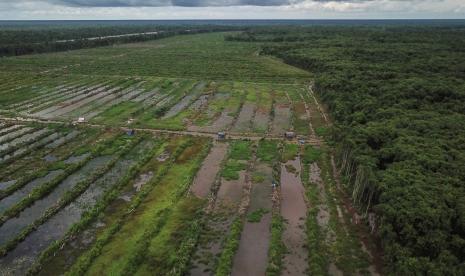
[(76, 159), (252, 255), (4, 185), (9, 201), (50, 158), (294, 212), (206, 176), (230, 192)]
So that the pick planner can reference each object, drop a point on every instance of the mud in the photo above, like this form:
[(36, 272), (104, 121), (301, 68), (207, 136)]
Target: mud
[(244, 120), (282, 119), (261, 121), (206, 176), (294, 211), (230, 191), (199, 103), (142, 180)]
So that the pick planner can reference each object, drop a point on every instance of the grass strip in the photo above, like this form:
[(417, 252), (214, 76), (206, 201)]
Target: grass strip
[(277, 248), (231, 245)]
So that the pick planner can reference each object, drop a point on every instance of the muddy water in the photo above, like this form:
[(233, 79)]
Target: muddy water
[(294, 211), (244, 120), (57, 226), (9, 201), (205, 178), (219, 222), (252, 255), (282, 119), (15, 225), (230, 191)]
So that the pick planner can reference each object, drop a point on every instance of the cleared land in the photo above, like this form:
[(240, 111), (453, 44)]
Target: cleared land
[(91, 198)]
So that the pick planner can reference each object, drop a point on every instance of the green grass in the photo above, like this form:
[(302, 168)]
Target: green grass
[(267, 151), (230, 247), (232, 168), (241, 150), (311, 154), (180, 56), (277, 248), (290, 152), (256, 216)]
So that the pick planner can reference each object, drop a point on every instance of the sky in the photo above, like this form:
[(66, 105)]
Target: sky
[(230, 9)]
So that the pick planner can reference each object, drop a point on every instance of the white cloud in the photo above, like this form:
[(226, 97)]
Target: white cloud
[(298, 9)]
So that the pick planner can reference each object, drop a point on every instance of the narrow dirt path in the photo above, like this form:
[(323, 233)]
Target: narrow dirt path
[(294, 212)]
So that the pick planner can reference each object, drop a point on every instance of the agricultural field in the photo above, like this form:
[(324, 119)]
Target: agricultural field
[(112, 164)]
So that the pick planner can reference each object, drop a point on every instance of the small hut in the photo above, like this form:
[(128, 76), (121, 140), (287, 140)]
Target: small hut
[(221, 135), (130, 132), (289, 135)]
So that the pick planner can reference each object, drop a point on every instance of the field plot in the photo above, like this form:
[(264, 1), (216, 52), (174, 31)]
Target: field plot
[(111, 164)]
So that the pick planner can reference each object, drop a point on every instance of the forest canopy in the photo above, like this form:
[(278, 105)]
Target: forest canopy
[(397, 98)]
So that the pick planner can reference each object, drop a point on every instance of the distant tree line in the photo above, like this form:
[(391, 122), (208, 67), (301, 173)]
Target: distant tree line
[(397, 97), (24, 41)]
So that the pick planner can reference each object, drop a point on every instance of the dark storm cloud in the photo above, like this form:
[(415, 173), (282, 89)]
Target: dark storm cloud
[(179, 3)]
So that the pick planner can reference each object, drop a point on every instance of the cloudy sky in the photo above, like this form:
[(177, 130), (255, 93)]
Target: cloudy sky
[(230, 9)]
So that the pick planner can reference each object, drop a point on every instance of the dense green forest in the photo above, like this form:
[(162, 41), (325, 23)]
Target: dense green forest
[(23, 40), (397, 98)]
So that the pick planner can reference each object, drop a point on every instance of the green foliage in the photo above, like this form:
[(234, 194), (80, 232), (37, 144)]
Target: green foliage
[(229, 249), (241, 150), (290, 152), (311, 154), (267, 151), (256, 216), (277, 248), (232, 168)]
